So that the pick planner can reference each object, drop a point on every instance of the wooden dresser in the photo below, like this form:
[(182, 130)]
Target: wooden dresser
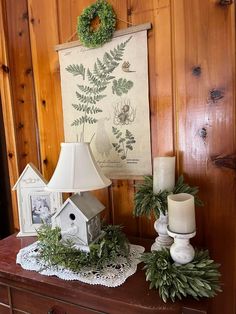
[(24, 291)]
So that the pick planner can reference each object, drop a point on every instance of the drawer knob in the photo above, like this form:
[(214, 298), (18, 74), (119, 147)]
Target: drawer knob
[(56, 310)]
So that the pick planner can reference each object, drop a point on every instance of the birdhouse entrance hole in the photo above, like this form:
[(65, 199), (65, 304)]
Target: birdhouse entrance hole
[(72, 216)]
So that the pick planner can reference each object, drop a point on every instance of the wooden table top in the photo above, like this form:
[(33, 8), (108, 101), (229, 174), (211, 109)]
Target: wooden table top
[(133, 294)]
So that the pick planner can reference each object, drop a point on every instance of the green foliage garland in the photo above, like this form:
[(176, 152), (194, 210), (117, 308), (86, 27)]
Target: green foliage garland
[(200, 278), (96, 38), (57, 252), (147, 202)]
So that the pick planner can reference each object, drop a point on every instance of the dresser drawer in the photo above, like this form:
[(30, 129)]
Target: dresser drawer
[(3, 295), (38, 304), (4, 309)]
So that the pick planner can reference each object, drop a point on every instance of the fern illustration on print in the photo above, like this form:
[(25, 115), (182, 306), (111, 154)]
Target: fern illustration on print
[(124, 144), (121, 86), (90, 94), (76, 69)]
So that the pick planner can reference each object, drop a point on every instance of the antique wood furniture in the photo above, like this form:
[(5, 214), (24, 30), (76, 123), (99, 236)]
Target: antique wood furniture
[(24, 291)]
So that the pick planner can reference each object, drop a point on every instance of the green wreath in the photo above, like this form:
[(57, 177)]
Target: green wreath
[(148, 202), (197, 279), (95, 38), (57, 252)]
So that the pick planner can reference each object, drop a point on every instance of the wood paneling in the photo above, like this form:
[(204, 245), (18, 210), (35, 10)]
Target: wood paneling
[(7, 110), (160, 81), (192, 106), (203, 121), (43, 22), (23, 100)]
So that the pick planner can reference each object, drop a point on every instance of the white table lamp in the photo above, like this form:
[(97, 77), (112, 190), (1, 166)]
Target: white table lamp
[(78, 172)]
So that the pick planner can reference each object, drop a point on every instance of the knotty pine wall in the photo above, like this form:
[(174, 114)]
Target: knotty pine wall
[(192, 106)]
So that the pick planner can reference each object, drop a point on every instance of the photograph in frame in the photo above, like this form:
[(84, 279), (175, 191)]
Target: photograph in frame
[(40, 205)]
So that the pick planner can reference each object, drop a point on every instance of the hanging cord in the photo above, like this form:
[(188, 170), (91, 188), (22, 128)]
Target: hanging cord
[(71, 37), (126, 22), (75, 32)]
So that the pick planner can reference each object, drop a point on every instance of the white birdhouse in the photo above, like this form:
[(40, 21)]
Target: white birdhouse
[(79, 219)]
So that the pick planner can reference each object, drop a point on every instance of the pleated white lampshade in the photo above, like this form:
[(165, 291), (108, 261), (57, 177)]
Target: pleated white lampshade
[(77, 170)]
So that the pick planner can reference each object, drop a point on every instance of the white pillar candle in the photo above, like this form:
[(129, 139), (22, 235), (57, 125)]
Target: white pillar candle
[(163, 174), (181, 213)]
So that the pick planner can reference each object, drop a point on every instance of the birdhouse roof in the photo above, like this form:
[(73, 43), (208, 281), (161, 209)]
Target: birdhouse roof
[(27, 168), (85, 203)]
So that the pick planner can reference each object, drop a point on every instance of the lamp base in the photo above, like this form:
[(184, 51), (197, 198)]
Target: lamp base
[(163, 240), (181, 250)]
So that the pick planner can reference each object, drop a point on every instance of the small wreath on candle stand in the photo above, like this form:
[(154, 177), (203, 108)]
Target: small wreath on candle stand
[(197, 279), (95, 37), (148, 202)]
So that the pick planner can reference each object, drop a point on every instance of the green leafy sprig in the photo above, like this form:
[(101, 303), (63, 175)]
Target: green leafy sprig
[(148, 202), (200, 278), (182, 187), (57, 252)]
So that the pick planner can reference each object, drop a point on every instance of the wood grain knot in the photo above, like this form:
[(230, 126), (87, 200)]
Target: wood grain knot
[(32, 20), (21, 101), (203, 133), (225, 2), (20, 126), (197, 71), (20, 33), (44, 103), (22, 85), (45, 161), (5, 68), (228, 161), (25, 16), (28, 71), (10, 155), (216, 94), (24, 155)]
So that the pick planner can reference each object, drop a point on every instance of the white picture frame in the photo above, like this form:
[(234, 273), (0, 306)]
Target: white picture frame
[(35, 204)]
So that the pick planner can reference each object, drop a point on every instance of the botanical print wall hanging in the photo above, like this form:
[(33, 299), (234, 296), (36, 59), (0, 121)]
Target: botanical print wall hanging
[(105, 101)]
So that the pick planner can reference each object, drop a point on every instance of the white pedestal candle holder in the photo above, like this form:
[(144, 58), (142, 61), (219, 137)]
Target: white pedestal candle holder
[(181, 250), (163, 240)]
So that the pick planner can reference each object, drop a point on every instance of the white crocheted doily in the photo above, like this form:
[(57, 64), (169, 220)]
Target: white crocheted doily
[(112, 275)]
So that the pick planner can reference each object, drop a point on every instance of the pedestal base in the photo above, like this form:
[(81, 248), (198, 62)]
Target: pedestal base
[(163, 240), (181, 250)]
